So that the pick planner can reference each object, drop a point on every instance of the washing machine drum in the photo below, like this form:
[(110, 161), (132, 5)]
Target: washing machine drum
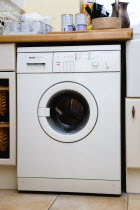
[(67, 112)]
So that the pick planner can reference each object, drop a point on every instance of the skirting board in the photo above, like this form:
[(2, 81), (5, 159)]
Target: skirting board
[(8, 178), (69, 185), (133, 180)]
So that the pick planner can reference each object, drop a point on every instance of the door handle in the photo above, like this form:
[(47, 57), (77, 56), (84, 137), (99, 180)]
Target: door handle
[(133, 112), (44, 112)]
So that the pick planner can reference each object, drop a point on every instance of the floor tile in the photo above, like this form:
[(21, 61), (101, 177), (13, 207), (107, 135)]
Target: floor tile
[(89, 203), (133, 204), (133, 201), (134, 196), (26, 201)]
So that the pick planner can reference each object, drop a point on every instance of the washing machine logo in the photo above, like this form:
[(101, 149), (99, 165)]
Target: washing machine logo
[(35, 57)]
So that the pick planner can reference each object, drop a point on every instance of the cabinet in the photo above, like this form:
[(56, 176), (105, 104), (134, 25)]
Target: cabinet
[(133, 116), (7, 119), (133, 68), (133, 132), (7, 105), (7, 57)]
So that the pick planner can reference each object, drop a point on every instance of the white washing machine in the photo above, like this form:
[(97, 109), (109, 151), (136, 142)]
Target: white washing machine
[(69, 119)]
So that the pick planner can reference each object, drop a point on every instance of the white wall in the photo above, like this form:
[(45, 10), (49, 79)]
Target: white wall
[(54, 8)]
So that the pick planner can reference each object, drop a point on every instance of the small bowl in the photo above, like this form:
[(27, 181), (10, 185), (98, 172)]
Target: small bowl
[(106, 23)]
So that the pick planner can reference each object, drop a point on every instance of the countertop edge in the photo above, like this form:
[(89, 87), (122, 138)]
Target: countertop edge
[(95, 35)]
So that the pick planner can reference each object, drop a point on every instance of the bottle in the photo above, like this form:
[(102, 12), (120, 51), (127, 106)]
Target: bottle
[(83, 5)]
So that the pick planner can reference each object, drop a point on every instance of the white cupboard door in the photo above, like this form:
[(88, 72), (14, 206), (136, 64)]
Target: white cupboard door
[(133, 132), (7, 57)]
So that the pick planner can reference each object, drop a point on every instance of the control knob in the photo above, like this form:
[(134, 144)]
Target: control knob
[(95, 64), (107, 66)]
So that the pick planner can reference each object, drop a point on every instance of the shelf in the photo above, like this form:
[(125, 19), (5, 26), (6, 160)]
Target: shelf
[(78, 36)]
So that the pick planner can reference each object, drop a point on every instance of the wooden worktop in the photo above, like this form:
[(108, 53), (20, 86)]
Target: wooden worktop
[(76, 36)]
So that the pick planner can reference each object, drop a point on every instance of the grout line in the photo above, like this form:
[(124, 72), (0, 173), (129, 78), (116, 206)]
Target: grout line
[(53, 202), (135, 199), (127, 201)]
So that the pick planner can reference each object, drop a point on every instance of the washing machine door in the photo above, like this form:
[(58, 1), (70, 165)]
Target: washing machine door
[(67, 112)]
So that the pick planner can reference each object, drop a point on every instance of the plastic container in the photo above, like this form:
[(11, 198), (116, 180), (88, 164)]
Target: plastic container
[(9, 10), (2, 27), (27, 27)]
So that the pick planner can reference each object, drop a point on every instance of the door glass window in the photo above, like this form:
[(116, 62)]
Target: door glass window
[(69, 112)]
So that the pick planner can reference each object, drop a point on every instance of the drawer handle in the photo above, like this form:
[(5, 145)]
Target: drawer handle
[(133, 112)]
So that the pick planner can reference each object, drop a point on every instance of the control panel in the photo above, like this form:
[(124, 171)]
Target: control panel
[(64, 62), (34, 62), (93, 61)]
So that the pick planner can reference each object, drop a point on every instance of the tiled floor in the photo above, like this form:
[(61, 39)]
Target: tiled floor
[(12, 200)]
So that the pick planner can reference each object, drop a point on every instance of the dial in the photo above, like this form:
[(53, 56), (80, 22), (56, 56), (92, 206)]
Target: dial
[(95, 64), (107, 65)]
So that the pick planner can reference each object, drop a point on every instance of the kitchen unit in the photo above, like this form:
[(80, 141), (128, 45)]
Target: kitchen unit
[(8, 173), (7, 116), (133, 116), (7, 105)]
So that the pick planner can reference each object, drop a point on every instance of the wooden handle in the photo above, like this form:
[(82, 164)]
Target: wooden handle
[(117, 7)]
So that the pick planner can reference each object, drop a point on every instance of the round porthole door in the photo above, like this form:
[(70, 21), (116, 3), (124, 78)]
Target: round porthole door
[(67, 112)]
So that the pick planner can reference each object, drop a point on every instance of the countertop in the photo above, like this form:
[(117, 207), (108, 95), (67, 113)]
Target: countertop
[(76, 36)]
